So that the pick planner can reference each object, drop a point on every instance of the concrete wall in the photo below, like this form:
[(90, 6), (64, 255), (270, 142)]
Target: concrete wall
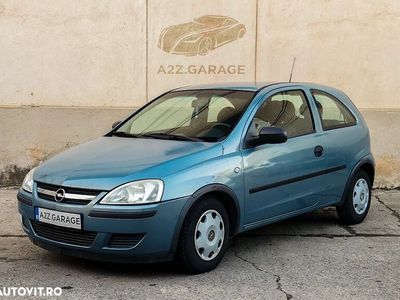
[(95, 57), (352, 45), (72, 53)]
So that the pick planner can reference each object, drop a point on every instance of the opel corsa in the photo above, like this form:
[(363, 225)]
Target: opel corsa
[(196, 166)]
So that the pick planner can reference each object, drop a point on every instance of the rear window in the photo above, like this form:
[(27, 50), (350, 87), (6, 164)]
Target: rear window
[(333, 113)]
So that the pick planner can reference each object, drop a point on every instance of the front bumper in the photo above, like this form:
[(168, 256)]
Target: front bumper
[(157, 224)]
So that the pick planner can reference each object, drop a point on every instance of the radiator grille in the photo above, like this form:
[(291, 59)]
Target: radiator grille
[(76, 196)]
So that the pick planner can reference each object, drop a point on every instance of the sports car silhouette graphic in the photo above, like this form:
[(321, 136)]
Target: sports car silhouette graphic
[(200, 36)]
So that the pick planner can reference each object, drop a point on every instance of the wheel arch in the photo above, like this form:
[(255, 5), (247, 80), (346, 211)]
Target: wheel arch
[(366, 164), (224, 194), (369, 168)]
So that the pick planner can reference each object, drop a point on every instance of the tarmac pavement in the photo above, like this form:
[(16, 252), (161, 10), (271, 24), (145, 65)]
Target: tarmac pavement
[(308, 257)]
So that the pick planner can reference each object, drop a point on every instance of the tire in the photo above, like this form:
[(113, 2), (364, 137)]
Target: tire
[(190, 256), (358, 200)]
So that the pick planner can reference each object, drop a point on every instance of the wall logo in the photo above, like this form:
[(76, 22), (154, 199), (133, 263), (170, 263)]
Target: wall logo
[(200, 36)]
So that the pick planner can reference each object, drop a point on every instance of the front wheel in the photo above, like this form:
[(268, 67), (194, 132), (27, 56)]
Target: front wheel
[(204, 236), (358, 200)]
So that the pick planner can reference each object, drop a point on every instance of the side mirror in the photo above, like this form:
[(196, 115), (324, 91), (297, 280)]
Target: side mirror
[(115, 124), (270, 135)]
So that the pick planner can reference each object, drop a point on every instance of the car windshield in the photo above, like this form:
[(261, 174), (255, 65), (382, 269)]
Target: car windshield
[(196, 115)]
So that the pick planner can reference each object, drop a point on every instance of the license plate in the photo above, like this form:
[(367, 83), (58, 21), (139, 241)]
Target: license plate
[(58, 218)]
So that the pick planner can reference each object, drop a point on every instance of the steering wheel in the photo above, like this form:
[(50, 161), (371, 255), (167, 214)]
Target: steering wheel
[(220, 128), (226, 125)]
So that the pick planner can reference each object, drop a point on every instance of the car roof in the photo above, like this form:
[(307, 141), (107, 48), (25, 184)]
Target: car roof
[(255, 86), (239, 86)]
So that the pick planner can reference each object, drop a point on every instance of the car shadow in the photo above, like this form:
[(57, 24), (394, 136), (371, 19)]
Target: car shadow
[(319, 222)]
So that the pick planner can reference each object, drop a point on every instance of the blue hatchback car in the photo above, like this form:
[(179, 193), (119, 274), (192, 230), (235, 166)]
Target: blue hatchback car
[(196, 166)]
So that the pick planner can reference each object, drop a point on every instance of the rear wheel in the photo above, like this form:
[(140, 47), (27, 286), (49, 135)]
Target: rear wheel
[(358, 200), (204, 236)]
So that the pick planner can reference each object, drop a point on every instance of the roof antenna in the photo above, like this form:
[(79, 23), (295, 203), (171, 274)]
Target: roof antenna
[(291, 72)]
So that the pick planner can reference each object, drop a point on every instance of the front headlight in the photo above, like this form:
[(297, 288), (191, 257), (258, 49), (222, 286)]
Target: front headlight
[(27, 184), (136, 192)]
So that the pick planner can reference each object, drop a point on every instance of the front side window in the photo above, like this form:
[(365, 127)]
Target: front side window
[(200, 115), (332, 112), (287, 110)]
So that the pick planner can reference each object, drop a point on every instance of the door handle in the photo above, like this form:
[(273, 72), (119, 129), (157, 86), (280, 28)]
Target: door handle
[(318, 151)]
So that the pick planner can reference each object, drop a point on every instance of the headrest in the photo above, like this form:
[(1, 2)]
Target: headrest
[(303, 108), (227, 115), (289, 109), (277, 111)]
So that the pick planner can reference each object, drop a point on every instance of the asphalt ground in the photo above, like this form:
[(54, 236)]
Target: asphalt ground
[(308, 257)]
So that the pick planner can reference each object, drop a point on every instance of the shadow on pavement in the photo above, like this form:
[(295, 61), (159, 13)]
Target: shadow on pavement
[(321, 222)]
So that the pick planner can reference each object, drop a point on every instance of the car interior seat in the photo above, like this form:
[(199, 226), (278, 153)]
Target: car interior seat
[(279, 114), (228, 115)]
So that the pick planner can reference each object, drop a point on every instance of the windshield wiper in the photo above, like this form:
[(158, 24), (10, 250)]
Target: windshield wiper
[(131, 135), (173, 137), (156, 136)]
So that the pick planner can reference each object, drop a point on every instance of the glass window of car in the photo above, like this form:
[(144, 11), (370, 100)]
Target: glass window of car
[(204, 115), (333, 113), (287, 110)]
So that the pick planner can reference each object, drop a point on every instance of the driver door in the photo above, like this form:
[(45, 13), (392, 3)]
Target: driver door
[(283, 179)]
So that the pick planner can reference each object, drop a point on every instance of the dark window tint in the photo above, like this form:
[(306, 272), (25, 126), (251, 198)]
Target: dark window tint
[(332, 112), (287, 110)]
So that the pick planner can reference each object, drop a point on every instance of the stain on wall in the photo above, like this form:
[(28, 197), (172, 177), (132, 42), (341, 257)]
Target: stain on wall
[(388, 171), (11, 175), (2, 9), (32, 135), (66, 127)]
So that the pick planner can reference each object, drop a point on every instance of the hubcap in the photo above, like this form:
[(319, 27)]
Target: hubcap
[(209, 235), (360, 196)]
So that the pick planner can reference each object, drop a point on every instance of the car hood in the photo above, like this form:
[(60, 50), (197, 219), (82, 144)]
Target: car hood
[(111, 161)]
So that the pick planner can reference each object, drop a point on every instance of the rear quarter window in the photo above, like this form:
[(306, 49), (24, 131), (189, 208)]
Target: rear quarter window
[(333, 113)]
